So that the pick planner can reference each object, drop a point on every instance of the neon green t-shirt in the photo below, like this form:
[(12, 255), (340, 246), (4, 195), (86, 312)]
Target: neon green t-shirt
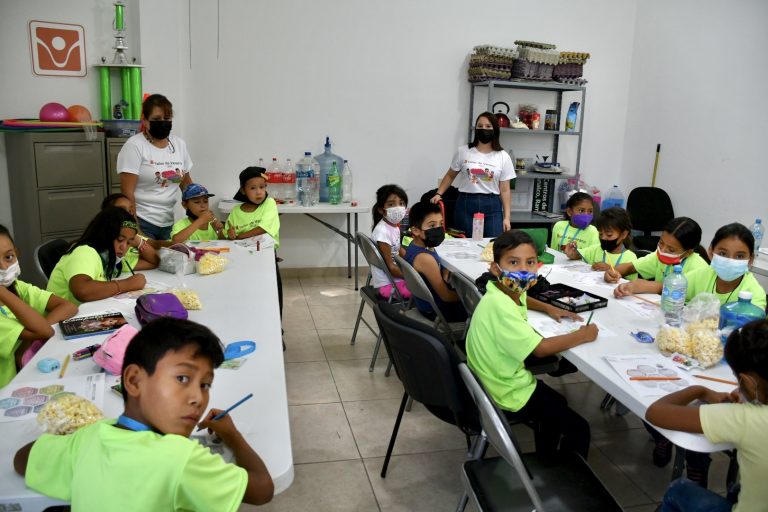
[(102, 467), (703, 280), (83, 260), (264, 217), (596, 254), (498, 342), (10, 327), (201, 234), (563, 232), (649, 266)]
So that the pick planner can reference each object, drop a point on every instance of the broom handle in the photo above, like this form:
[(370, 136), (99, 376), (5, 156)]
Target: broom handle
[(656, 165)]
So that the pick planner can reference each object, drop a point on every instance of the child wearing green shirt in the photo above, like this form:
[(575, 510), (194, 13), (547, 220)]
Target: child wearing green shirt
[(577, 231), (26, 311), (500, 338), (144, 460), (200, 222), (614, 226), (141, 253)]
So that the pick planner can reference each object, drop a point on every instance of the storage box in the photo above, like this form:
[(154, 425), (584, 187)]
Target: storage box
[(571, 299), (121, 127)]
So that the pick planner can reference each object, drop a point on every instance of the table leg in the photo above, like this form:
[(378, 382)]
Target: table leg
[(356, 256), (349, 248), (679, 463)]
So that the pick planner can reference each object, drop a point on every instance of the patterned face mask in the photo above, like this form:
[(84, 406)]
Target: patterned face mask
[(518, 281)]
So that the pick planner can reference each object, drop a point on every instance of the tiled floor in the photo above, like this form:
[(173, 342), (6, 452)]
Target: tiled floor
[(342, 416)]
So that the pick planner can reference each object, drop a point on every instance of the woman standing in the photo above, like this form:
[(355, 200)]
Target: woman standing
[(487, 169), (153, 165)]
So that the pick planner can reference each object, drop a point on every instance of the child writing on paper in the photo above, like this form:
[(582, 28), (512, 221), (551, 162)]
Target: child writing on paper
[(388, 211), (26, 311), (200, 223), (577, 231), (614, 227), (500, 339), (141, 254), (90, 269), (678, 245), (739, 417), (152, 464)]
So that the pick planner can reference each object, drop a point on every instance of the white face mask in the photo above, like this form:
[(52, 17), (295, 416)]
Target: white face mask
[(395, 214), (10, 274)]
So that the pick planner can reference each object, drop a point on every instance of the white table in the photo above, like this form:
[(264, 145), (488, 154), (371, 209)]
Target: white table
[(226, 206), (238, 304), (590, 357)]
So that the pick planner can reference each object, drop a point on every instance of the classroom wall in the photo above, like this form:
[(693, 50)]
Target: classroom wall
[(697, 87)]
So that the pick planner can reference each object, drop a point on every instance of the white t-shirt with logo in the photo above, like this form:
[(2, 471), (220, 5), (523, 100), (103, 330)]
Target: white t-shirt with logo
[(389, 235), (482, 172), (159, 171)]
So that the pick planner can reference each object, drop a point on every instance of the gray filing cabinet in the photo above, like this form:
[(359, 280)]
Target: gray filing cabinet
[(57, 181), (114, 145)]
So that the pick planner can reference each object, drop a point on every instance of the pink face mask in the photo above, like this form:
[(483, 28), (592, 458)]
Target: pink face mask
[(667, 258)]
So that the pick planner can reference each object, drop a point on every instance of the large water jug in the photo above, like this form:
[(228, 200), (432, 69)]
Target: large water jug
[(614, 198), (735, 314), (673, 296), (325, 160)]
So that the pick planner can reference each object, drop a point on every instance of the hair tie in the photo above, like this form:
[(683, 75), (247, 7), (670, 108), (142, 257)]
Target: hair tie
[(130, 224)]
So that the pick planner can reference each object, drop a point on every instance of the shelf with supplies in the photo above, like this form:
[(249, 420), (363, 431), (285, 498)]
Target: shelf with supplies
[(521, 131)]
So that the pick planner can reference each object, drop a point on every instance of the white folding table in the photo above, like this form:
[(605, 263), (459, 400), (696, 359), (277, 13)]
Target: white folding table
[(238, 304)]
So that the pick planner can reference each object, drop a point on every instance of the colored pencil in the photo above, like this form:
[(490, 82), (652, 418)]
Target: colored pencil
[(715, 379), (654, 378), (224, 413), (590, 316), (649, 301), (64, 366)]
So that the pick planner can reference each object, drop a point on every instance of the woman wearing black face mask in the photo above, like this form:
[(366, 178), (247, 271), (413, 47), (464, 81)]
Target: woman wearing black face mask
[(153, 166), (486, 170)]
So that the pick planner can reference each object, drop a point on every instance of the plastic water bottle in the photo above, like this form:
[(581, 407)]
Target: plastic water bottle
[(614, 198), (334, 185), (325, 160), (735, 314), (478, 226), (260, 163), (346, 184), (289, 182), (673, 296), (275, 180), (304, 172), (758, 230)]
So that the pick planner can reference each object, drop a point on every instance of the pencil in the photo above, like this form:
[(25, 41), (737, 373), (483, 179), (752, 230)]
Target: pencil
[(654, 378), (715, 379), (64, 366), (224, 413), (590, 316), (649, 301), (129, 268)]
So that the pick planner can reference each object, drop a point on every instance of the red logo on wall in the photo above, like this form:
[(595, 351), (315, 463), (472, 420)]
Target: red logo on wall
[(58, 49)]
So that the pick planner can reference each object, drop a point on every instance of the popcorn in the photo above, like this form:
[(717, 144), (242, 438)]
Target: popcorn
[(707, 347), (674, 339), (67, 414), (211, 263), (188, 298)]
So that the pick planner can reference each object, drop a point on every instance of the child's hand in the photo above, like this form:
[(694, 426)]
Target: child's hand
[(716, 397), (217, 225), (588, 332), (559, 314), (205, 218), (224, 427), (623, 290), (612, 276), (231, 233), (572, 252), (599, 265), (136, 282)]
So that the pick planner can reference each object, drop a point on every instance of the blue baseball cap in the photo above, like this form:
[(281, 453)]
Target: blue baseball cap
[(195, 190)]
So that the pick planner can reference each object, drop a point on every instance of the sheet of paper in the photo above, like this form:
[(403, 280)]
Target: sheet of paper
[(639, 306), (649, 366), (150, 287), (461, 248), (23, 400), (548, 326)]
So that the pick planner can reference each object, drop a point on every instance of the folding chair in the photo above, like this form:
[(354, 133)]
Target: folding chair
[(522, 482), (48, 254)]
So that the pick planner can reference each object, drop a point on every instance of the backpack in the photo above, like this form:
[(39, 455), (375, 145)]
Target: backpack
[(156, 305), (111, 353)]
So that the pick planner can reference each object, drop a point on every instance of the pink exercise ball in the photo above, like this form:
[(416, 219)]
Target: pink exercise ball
[(54, 113)]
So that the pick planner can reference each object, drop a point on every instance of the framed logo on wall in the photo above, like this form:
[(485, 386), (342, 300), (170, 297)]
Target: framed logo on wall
[(58, 49)]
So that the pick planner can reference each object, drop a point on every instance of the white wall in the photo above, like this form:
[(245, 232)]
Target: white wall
[(698, 88)]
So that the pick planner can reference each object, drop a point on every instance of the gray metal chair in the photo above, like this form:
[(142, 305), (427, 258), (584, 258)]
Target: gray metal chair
[(522, 482), (48, 254)]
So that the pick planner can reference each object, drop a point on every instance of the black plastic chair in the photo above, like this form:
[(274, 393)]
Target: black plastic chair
[(427, 365), (449, 202), (649, 208), (513, 481), (48, 254)]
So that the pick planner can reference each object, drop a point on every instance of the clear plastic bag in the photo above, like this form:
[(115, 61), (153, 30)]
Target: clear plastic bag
[(211, 263), (698, 337), (67, 414), (177, 259), (189, 298)]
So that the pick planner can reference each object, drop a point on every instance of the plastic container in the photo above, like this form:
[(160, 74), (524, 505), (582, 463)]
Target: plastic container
[(758, 230), (346, 184), (596, 197), (673, 296), (736, 314), (571, 299), (325, 160), (334, 184), (121, 127), (275, 180), (304, 171), (289, 182), (614, 198), (478, 225)]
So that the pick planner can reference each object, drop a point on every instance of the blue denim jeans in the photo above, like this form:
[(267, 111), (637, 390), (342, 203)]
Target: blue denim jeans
[(469, 204), (155, 232), (686, 496)]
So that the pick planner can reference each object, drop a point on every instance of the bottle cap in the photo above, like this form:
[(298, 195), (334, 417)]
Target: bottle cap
[(745, 295), (678, 269), (479, 216)]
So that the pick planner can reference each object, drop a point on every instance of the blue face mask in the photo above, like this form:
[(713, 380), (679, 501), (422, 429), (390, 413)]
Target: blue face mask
[(729, 269), (518, 281)]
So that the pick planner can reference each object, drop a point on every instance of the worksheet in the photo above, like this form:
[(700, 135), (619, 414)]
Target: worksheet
[(649, 375), (23, 400), (645, 308), (548, 326)]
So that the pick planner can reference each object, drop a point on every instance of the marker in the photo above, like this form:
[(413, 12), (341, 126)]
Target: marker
[(64, 366), (590, 316), (224, 413)]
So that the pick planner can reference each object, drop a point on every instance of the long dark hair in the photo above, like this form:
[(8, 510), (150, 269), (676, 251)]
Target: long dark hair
[(735, 230), (576, 199), (101, 233), (616, 218), (688, 232), (381, 198), (495, 144)]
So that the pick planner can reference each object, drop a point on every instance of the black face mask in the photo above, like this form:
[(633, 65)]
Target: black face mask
[(160, 129), (434, 236), (484, 135), (609, 245)]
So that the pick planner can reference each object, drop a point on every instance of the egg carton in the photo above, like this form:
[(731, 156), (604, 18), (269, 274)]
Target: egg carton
[(522, 68), (572, 81), (568, 71), (485, 73), (496, 51), (534, 44), (491, 61), (538, 55), (573, 58)]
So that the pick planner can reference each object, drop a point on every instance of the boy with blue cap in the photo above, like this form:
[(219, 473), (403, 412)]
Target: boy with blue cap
[(200, 223)]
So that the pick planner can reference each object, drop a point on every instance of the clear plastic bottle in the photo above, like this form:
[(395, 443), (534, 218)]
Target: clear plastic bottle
[(289, 182), (346, 183), (334, 184), (260, 163), (304, 173), (614, 198), (275, 180), (758, 230), (478, 225), (735, 314), (324, 160), (673, 296)]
